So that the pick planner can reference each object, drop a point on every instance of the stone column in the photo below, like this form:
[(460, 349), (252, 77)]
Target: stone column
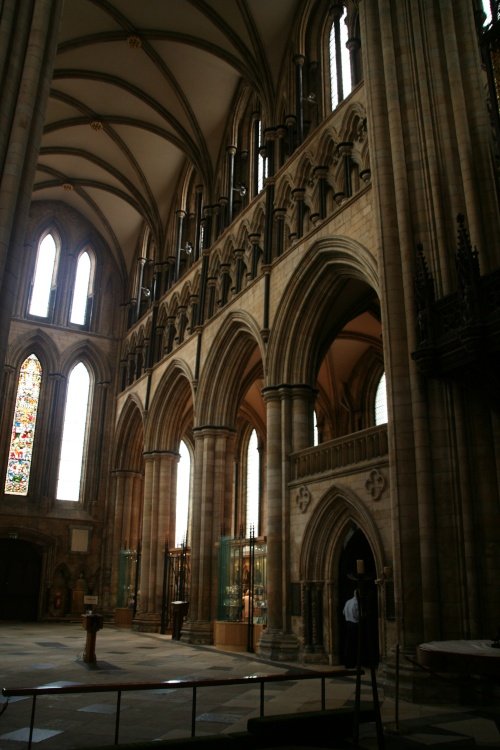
[(298, 196), (321, 173), (181, 215), (279, 221), (299, 96), (124, 522), (231, 151), (212, 490), (159, 495), (28, 43), (289, 413)]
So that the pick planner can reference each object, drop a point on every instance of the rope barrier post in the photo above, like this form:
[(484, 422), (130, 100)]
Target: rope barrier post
[(32, 722), (117, 716), (262, 698), (193, 713), (323, 694), (396, 689)]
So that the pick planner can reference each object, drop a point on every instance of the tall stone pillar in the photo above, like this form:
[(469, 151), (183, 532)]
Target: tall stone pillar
[(28, 43), (212, 491), (121, 530), (157, 528), (289, 412)]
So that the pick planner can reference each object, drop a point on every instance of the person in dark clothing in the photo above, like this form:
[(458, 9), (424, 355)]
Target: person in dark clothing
[(351, 616)]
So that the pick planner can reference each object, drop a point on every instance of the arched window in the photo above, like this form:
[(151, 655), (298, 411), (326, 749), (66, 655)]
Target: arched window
[(44, 277), (23, 427), (252, 508), (183, 494), (340, 64), (74, 434), (259, 161), (316, 429), (381, 402), (82, 289)]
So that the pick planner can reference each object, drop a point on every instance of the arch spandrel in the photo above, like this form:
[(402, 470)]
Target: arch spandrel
[(37, 343), (233, 350), (326, 530), (325, 289), (90, 355), (170, 413)]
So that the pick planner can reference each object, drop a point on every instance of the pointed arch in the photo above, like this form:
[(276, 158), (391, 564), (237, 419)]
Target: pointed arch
[(335, 281), (326, 529), (129, 443), (170, 414), (235, 347)]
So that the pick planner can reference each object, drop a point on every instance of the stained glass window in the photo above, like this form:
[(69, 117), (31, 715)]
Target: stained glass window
[(23, 427)]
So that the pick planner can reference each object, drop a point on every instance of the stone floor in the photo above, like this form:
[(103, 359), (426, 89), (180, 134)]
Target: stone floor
[(51, 654)]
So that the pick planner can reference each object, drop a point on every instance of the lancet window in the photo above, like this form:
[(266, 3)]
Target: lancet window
[(75, 430), (23, 427), (44, 277)]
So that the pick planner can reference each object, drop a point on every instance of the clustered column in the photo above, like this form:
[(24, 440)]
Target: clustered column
[(157, 527), (212, 488)]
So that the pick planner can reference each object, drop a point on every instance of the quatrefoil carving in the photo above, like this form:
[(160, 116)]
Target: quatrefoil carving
[(375, 484), (303, 498)]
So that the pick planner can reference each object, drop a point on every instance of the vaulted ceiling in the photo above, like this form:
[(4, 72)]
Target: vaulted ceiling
[(142, 88)]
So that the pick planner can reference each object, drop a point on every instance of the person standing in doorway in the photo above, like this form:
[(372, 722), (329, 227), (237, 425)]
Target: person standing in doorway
[(351, 616)]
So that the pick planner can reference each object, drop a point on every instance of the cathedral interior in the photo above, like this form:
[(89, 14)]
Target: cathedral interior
[(250, 319)]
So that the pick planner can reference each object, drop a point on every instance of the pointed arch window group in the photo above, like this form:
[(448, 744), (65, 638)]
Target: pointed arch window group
[(31, 378), (45, 281)]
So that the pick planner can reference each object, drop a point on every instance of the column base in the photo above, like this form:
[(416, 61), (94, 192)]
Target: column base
[(278, 646), (315, 656), (198, 632), (147, 622), (433, 689)]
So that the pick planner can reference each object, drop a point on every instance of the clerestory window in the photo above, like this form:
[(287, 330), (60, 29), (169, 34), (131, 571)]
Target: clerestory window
[(82, 290), (182, 495), (381, 402), (345, 52), (253, 486), (44, 277)]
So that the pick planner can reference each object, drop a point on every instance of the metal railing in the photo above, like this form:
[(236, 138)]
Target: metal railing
[(193, 685)]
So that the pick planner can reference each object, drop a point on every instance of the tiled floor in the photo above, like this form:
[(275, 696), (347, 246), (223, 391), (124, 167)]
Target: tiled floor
[(51, 654)]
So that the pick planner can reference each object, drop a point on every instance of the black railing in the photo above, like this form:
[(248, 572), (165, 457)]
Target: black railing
[(193, 685)]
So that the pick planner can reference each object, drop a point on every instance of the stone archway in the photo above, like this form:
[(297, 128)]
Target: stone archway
[(340, 532), (20, 576)]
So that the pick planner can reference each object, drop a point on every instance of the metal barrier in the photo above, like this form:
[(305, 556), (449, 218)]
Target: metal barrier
[(193, 685)]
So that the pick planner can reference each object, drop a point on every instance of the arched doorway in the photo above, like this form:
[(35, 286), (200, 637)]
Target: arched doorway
[(357, 551), (20, 571)]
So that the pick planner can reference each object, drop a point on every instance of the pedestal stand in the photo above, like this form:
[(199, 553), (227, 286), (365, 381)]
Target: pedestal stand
[(91, 623)]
